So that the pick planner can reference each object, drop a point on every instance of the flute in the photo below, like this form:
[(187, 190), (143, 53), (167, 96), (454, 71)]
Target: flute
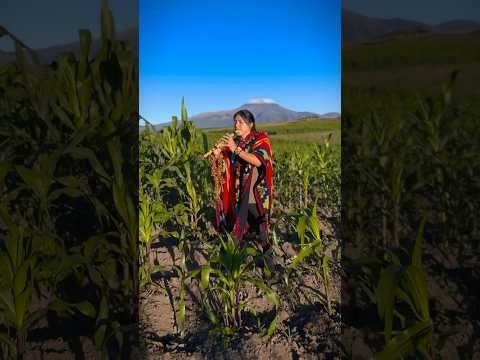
[(216, 146)]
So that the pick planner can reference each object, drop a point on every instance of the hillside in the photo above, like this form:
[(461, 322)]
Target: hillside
[(264, 112), (361, 28), (47, 55), (422, 63), (294, 134)]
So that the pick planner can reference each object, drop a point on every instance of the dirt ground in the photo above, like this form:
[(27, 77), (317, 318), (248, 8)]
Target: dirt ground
[(305, 331), (452, 277)]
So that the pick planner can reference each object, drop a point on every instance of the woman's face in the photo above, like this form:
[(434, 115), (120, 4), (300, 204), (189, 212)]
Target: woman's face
[(242, 127)]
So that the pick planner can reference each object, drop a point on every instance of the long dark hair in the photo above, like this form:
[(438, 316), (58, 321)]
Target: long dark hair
[(247, 116)]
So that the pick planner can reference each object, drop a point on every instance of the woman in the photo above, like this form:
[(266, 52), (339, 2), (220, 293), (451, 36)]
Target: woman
[(246, 202)]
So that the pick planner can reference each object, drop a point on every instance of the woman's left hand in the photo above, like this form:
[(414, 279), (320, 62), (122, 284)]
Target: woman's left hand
[(229, 142)]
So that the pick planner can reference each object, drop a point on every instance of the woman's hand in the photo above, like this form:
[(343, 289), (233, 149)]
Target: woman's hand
[(228, 141)]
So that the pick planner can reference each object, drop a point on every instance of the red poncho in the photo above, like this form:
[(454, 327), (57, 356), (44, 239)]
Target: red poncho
[(232, 208)]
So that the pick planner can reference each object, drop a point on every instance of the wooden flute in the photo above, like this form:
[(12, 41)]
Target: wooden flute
[(216, 145)]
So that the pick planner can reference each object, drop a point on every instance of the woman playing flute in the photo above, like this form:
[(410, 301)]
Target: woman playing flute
[(245, 204)]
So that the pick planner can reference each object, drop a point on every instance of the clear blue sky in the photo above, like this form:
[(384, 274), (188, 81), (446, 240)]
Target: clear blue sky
[(220, 54)]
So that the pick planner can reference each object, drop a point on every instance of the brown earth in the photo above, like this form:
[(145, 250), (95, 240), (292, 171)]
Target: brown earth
[(305, 331)]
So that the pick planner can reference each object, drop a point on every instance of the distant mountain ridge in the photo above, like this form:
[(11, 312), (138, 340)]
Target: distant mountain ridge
[(49, 54), (359, 28), (263, 112), (266, 112)]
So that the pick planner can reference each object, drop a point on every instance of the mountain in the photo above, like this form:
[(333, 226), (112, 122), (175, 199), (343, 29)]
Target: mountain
[(457, 26), (6, 57), (47, 55), (361, 28), (357, 27), (264, 112)]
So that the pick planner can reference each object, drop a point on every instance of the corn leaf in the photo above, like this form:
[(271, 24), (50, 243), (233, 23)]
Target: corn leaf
[(402, 345)]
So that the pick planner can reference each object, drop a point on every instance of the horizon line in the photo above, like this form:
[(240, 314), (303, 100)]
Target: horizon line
[(190, 117)]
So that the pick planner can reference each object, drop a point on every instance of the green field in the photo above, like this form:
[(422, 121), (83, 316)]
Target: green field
[(289, 135), (407, 163), (403, 64), (403, 52)]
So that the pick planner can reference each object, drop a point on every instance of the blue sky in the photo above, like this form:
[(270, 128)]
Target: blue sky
[(221, 54)]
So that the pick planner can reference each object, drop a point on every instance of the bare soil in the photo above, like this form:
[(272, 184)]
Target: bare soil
[(304, 331)]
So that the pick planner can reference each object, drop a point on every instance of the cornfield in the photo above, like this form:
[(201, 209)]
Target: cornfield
[(68, 214), (219, 278), (407, 166)]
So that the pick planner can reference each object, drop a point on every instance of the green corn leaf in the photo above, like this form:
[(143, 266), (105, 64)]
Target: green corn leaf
[(194, 273), (314, 224), (107, 23), (21, 307), (275, 238), (266, 271), (414, 284), (36, 180), (301, 228), (85, 153), (13, 238), (307, 250), (68, 191), (402, 345), (86, 308), (184, 116), (21, 279), (6, 270), (119, 200), (7, 340), (206, 270), (250, 251), (223, 330), (100, 335), (103, 311), (6, 298), (210, 314), (63, 116), (417, 249), (404, 296), (85, 89), (385, 295), (85, 42), (91, 245), (205, 142), (269, 293), (70, 181), (109, 272), (118, 336), (272, 326), (181, 306), (5, 168)]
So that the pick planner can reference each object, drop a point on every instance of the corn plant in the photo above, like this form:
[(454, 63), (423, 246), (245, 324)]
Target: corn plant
[(326, 183), (221, 281), (17, 262), (53, 120), (146, 221), (311, 255), (405, 282)]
